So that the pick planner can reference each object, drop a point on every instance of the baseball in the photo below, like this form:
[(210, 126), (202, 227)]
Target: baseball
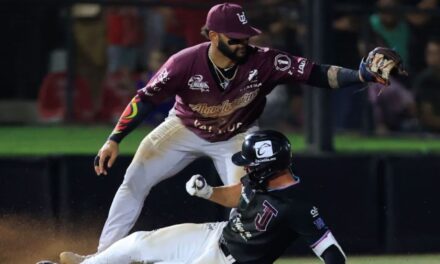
[(200, 184)]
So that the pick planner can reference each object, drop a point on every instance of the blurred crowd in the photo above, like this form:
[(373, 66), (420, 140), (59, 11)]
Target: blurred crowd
[(118, 48)]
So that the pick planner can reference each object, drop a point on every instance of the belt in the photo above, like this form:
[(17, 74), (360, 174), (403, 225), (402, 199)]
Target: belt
[(227, 253)]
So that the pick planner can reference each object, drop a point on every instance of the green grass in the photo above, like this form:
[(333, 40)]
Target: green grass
[(402, 259), (52, 140), (48, 140)]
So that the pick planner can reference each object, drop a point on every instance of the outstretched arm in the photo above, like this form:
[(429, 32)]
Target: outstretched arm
[(227, 196), (376, 67), (329, 76)]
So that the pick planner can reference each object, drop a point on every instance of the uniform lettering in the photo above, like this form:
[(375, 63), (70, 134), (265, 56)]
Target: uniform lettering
[(211, 129), (226, 107), (197, 123), (234, 127), (238, 227), (263, 220)]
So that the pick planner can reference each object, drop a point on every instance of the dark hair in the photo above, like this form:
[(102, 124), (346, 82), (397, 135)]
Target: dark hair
[(204, 31)]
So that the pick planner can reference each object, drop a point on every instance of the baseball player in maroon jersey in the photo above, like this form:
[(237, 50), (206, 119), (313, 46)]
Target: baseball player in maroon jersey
[(220, 90), (272, 212)]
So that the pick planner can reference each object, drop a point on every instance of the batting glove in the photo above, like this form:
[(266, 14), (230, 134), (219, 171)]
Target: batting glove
[(197, 186)]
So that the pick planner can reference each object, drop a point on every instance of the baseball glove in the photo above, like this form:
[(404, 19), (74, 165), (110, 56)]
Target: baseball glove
[(379, 64)]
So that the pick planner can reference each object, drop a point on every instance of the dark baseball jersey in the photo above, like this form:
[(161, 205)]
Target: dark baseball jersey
[(215, 113), (268, 221)]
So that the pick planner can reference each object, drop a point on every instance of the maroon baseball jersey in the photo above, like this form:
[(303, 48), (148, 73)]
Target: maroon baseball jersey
[(214, 113)]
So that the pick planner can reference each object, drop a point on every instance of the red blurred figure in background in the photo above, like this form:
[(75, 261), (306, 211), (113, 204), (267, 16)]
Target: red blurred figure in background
[(52, 94)]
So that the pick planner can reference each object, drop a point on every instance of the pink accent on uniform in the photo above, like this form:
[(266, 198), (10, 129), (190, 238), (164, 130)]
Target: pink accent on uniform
[(320, 240)]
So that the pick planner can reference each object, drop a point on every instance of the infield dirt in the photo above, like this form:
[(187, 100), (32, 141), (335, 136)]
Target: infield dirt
[(26, 240)]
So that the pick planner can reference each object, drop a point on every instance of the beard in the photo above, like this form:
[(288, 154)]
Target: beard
[(233, 55)]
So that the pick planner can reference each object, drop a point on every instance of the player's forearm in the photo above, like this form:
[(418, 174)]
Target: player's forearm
[(330, 76), (132, 116), (227, 196)]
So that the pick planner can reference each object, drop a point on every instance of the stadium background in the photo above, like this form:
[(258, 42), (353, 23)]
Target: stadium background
[(376, 183)]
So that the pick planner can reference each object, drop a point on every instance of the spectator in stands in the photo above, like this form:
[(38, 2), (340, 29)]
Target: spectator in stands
[(124, 37), (117, 90), (90, 45), (279, 20), (423, 25), (120, 86), (427, 88), (154, 30), (190, 21), (185, 22), (390, 30), (52, 93), (155, 60), (393, 107), (347, 105)]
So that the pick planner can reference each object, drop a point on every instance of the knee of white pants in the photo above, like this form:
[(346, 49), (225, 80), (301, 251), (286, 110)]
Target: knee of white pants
[(137, 180)]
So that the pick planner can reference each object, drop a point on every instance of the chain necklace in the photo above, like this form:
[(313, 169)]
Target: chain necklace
[(225, 83)]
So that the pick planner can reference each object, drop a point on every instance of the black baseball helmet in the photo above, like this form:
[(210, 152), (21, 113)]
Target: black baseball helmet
[(264, 153)]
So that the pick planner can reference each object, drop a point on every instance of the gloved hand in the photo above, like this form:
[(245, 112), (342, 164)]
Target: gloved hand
[(379, 64), (197, 186)]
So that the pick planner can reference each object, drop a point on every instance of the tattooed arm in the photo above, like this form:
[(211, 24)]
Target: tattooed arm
[(330, 76)]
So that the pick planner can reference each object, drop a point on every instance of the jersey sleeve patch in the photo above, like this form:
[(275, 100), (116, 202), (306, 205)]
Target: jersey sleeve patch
[(288, 68)]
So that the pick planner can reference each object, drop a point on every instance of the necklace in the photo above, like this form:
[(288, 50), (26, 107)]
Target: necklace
[(224, 81)]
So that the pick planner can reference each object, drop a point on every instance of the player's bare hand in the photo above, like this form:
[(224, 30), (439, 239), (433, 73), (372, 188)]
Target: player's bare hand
[(106, 157)]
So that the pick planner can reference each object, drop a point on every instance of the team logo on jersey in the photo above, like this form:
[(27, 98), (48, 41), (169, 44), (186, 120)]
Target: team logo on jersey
[(262, 220), (253, 76), (314, 212), (282, 62), (242, 18), (196, 83), (319, 223)]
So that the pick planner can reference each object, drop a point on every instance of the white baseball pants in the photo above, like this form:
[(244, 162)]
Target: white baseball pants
[(178, 244), (164, 152)]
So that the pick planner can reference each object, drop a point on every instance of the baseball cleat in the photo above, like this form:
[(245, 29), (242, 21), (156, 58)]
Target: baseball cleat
[(71, 258)]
